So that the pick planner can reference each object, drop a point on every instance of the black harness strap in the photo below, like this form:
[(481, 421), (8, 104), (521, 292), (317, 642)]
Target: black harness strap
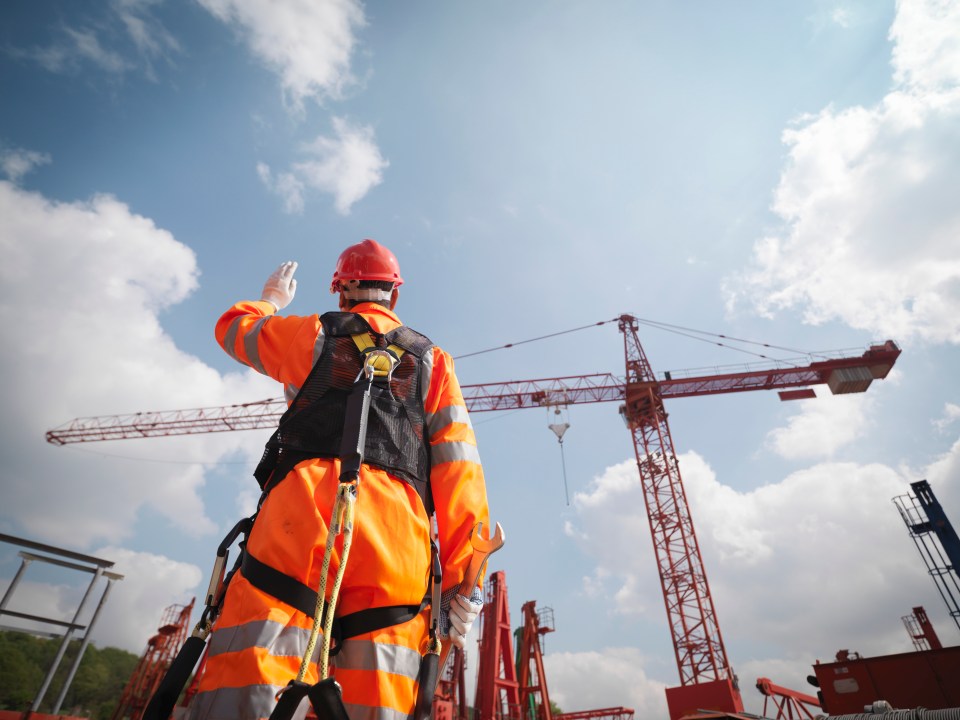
[(300, 596)]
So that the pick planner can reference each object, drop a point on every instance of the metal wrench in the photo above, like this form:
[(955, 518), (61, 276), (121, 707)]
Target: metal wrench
[(482, 549)]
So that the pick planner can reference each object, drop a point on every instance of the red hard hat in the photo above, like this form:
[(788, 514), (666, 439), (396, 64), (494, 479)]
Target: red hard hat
[(367, 260)]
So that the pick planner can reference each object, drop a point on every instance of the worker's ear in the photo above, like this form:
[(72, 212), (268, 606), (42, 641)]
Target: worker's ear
[(343, 303), (393, 298)]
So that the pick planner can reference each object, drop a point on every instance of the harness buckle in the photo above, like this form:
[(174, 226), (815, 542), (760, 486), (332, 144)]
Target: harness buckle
[(378, 364)]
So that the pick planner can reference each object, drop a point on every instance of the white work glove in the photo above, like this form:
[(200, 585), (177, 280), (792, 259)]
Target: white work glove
[(463, 612), (280, 286)]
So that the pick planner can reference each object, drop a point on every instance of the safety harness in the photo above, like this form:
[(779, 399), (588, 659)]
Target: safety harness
[(377, 419)]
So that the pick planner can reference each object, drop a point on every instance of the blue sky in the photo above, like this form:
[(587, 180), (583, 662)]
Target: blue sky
[(784, 173)]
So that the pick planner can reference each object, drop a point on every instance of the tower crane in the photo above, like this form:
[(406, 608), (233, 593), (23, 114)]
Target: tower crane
[(706, 677)]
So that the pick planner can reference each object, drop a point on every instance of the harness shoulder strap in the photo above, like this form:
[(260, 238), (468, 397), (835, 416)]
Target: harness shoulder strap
[(382, 366)]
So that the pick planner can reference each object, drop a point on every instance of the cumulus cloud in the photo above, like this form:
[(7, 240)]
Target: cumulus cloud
[(347, 166), (616, 679), (822, 427), (136, 590), (871, 233), (798, 568), (309, 43), (150, 584), (82, 286)]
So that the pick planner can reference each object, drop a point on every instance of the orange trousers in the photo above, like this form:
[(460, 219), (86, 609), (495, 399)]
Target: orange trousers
[(258, 641)]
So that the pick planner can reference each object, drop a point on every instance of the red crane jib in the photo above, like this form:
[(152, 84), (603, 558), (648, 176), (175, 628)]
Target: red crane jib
[(873, 364)]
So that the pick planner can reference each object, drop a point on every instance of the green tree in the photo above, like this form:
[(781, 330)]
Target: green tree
[(96, 687)]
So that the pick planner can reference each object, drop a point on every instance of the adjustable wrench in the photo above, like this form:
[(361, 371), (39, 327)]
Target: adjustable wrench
[(482, 549)]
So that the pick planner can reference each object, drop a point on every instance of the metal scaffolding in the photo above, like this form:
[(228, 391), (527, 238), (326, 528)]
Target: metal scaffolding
[(60, 557)]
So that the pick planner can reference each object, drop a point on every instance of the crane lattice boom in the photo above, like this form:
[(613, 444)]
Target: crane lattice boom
[(875, 363)]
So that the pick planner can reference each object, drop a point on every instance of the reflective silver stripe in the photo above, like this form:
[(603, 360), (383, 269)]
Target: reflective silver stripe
[(454, 451), (426, 374), (370, 712), (383, 657), (250, 345), (250, 702), (290, 392), (445, 416), (279, 640), (230, 339), (317, 346)]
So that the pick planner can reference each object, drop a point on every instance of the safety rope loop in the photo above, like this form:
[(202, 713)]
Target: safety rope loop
[(341, 521), (349, 495)]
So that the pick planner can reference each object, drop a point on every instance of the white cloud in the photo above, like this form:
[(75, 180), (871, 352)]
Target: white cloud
[(951, 413), (133, 605), (150, 584), (872, 226), (286, 186), (102, 42), (822, 427), (17, 162), (86, 46), (82, 286), (798, 568), (346, 166), (841, 16), (610, 677), (308, 42), (926, 51), (152, 40)]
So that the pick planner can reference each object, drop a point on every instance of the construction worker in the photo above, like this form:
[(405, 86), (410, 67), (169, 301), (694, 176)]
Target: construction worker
[(428, 463)]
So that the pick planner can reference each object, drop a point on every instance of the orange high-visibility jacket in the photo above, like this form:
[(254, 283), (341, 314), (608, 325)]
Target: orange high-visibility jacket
[(257, 643)]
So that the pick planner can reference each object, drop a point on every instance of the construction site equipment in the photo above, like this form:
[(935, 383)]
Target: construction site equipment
[(450, 700), (790, 704), (888, 713), (532, 678), (611, 713), (925, 679), (544, 392), (706, 677), (156, 659), (98, 568), (921, 631), (498, 693), (518, 690), (936, 540)]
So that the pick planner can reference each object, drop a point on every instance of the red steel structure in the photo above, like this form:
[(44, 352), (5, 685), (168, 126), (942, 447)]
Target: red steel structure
[(450, 700), (530, 673), (611, 713), (843, 372), (790, 704), (706, 678), (921, 631), (498, 692), (161, 649)]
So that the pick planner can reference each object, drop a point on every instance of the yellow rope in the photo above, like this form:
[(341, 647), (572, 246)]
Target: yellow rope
[(341, 520)]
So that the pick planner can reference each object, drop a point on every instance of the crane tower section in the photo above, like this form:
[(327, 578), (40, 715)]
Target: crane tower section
[(698, 645)]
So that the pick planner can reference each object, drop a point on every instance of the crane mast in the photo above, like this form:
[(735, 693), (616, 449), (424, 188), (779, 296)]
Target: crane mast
[(697, 643)]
